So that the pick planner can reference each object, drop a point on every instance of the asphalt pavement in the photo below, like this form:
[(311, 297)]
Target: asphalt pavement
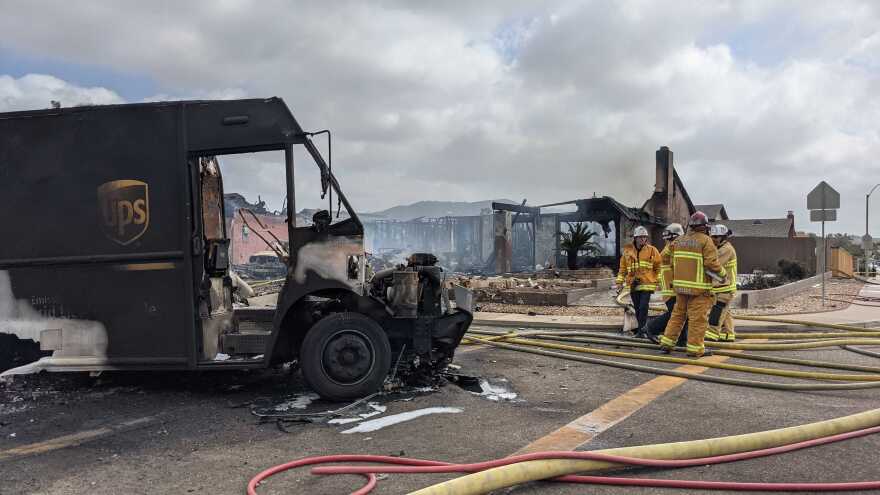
[(195, 432)]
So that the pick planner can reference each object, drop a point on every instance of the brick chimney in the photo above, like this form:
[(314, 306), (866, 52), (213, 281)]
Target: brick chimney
[(664, 187), (792, 232), (664, 170)]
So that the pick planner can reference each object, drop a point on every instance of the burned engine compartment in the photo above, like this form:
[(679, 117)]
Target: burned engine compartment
[(424, 330), (413, 289)]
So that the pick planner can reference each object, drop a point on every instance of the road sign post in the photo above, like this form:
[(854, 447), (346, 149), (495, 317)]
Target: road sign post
[(823, 202)]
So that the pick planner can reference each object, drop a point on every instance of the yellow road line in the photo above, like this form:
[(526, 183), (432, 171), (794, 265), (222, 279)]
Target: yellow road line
[(74, 439), (585, 428)]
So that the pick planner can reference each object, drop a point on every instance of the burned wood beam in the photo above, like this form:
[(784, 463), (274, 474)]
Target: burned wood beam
[(531, 210)]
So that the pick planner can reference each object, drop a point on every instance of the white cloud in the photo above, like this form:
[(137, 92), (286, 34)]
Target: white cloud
[(38, 91), (470, 100)]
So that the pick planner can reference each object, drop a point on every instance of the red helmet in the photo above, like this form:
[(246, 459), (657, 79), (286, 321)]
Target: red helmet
[(697, 219)]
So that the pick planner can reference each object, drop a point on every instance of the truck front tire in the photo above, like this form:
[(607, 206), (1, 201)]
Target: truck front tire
[(345, 356)]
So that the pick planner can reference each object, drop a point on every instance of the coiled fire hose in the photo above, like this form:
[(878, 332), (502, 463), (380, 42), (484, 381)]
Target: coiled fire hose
[(559, 466)]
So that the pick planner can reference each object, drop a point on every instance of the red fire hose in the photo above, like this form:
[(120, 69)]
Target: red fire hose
[(406, 465)]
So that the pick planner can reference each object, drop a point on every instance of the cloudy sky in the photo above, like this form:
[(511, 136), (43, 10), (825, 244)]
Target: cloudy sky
[(548, 100)]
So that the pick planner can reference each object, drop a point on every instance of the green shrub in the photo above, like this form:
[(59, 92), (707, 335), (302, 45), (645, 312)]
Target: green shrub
[(791, 270)]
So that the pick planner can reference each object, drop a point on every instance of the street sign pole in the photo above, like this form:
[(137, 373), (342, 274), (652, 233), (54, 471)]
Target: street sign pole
[(823, 202), (824, 261)]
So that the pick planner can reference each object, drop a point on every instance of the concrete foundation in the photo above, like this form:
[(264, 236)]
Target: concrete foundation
[(539, 297)]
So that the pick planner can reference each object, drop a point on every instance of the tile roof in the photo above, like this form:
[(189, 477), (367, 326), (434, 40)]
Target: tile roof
[(760, 227)]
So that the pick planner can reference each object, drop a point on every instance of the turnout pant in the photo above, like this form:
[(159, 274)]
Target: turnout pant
[(728, 333), (694, 309), (641, 300), (657, 325), (721, 330)]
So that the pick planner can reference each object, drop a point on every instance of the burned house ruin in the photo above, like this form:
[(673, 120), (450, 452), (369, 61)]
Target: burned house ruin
[(513, 238)]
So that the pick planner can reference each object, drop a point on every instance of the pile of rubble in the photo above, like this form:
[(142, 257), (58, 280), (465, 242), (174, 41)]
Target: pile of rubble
[(543, 288)]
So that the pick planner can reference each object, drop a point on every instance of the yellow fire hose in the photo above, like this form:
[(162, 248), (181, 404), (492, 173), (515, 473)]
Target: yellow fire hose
[(789, 321), (515, 474), (587, 337), (809, 375), (780, 346), (806, 335), (738, 355), (682, 374), (816, 324), (740, 335), (795, 346)]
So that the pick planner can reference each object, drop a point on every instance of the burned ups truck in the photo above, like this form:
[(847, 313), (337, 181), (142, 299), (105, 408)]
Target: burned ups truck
[(116, 252)]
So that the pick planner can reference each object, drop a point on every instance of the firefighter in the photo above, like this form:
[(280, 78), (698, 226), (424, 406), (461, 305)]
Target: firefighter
[(639, 270), (720, 320), (656, 325), (694, 265)]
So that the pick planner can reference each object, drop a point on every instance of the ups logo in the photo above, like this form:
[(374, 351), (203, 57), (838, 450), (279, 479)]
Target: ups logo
[(125, 209)]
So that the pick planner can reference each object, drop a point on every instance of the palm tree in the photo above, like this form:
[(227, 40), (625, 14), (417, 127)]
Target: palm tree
[(578, 238)]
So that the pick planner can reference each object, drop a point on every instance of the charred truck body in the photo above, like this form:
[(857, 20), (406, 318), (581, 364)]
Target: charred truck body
[(116, 254)]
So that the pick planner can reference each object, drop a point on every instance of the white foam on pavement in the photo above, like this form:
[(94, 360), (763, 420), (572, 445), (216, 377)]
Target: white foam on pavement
[(379, 423)]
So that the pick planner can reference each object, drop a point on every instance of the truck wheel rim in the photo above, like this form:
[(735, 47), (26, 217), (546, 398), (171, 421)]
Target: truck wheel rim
[(348, 357)]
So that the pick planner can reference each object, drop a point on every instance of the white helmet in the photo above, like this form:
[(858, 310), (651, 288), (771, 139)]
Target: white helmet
[(719, 230), (672, 231), (640, 232)]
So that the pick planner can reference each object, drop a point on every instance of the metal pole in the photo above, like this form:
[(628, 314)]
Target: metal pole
[(291, 192), (824, 261)]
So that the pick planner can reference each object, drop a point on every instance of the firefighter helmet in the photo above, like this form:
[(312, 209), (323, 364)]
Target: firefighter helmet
[(719, 230), (672, 231), (697, 219), (640, 232)]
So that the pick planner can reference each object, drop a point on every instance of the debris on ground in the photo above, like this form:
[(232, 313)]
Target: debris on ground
[(376, 409), (495, 389), (544, 287), (309, 408), (296, 402), (522, 309)]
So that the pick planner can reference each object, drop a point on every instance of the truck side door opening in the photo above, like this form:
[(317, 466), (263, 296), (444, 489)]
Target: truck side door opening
[(236, 196)]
